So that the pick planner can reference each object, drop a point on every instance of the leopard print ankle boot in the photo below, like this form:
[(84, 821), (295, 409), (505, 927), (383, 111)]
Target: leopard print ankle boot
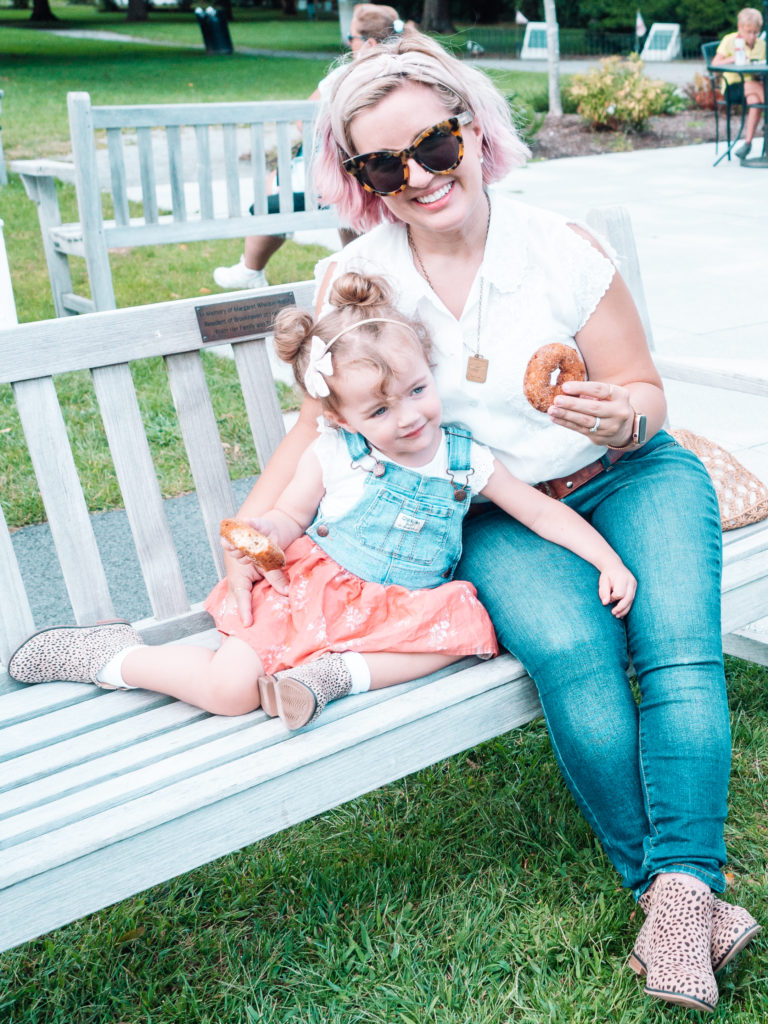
[(674, 945), (733, 928), (298, 695), (72, 654)]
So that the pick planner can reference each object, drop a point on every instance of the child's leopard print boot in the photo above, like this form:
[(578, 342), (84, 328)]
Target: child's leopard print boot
[(74, 654), (674, 945), (298, 695)]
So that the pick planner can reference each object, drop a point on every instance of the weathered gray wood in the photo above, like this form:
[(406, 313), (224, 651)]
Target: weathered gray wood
[(613, 223), (15, 613), (140, 490), (203, 444), (62, 496), (149, 131), (117, 176), (89, 201)]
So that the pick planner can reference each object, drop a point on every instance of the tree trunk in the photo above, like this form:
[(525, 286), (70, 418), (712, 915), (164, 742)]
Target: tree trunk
[(41, 11), (553, 58), (436, 17), (137, 11)]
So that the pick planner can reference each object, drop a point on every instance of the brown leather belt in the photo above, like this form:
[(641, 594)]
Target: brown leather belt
[(565, 485)]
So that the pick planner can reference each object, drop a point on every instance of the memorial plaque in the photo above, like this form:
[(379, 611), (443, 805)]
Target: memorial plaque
[(241, 318)]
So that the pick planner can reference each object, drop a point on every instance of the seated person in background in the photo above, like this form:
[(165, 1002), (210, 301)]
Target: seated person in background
[(371, 23), (749, 23)]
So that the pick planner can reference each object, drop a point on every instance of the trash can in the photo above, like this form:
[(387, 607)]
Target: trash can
[(213, 25)]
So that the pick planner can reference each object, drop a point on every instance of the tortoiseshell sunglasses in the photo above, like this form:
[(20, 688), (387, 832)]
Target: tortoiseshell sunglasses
[(438, 149)]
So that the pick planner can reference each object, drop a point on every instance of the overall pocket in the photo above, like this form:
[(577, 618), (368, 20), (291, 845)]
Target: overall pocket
[(400, 528)]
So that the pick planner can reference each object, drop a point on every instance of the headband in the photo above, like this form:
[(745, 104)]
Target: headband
[(320, 364)]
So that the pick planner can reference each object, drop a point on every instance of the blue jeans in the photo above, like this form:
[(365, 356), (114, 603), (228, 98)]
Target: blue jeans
[(651, 777)]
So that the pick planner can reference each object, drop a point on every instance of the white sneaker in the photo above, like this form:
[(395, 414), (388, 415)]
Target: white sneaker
[(239, 276)]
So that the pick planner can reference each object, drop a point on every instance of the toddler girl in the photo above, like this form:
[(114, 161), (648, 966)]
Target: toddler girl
[(371, 528)]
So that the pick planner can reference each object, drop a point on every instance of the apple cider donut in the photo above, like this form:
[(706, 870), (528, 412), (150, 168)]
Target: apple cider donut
[(538, 385), (264, 554)]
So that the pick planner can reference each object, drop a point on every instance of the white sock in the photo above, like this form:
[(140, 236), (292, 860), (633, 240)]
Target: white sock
[(358, 669), (111, 673)]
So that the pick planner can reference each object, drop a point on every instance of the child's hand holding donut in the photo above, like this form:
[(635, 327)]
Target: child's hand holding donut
[(252, 542)]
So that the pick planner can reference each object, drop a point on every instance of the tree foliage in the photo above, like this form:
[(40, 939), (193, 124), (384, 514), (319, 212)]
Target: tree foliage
[(706, 17)]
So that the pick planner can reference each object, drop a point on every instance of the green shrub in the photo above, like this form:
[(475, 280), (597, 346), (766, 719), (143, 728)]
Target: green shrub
[(617, 95)]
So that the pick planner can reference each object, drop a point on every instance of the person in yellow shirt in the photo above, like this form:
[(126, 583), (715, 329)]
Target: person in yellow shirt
[(749, 23)]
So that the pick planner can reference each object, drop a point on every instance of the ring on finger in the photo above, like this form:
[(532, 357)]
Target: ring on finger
[(595, 425)]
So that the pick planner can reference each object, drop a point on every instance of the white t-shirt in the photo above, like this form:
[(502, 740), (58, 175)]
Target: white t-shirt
[(344, 485), (541, 283)]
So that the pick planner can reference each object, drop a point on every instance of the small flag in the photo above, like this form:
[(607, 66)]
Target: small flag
[(640, 28), (520, 18)]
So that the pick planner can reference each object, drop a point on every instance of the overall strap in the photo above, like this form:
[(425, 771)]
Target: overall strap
[(459, 442), (356, 444)]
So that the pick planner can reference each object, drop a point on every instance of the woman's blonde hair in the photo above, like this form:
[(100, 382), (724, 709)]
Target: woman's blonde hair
[(357, 299), (413, 59)]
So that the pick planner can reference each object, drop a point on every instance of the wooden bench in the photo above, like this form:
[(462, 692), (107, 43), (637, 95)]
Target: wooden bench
[(177, 172), (103, 794)]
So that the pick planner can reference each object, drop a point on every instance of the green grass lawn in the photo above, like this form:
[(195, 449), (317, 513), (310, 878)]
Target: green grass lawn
[(470, 893)]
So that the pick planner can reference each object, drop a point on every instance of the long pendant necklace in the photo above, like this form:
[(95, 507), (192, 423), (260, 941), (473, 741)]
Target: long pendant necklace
[(477, 365)]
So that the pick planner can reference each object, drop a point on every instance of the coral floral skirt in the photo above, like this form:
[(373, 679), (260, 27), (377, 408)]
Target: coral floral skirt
[(330, 609)]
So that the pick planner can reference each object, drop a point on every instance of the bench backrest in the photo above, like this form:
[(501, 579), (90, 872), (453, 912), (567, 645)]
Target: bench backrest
[(165, 159), (107, 343)]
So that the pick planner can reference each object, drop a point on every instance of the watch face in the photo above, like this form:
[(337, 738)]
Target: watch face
[(640, 430)]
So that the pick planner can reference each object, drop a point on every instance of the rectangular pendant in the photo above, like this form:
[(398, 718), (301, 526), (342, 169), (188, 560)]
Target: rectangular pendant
[(477, 369)]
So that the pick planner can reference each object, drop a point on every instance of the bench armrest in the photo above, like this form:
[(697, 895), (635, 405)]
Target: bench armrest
[(747, 376), (43, 168)]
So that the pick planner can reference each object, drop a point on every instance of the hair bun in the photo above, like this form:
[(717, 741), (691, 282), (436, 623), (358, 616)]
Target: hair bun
[(352, 289)]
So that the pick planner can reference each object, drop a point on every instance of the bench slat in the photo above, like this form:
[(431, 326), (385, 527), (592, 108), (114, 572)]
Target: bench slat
[(140, 489), (258, 162), (203, 443), (117, 176), (176, 172), (62, 496), (150, 210), (15, 613), (204, 171), (231, 170), (262, 406)]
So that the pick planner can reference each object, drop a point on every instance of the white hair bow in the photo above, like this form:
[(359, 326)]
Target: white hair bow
[(397, 26), (319, 367)]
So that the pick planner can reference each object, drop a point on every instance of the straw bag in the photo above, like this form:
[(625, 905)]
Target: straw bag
[(742, 496)]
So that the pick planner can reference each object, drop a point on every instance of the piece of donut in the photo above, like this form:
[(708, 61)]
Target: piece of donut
[(263, 552), (538, 386)]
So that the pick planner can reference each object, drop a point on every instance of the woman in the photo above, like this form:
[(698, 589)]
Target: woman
[(412, 138)]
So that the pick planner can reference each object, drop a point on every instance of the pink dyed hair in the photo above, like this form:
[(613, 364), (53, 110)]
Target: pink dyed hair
[(414, 59)]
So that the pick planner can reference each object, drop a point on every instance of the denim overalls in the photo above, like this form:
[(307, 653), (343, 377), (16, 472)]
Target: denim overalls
[(406, 529)]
